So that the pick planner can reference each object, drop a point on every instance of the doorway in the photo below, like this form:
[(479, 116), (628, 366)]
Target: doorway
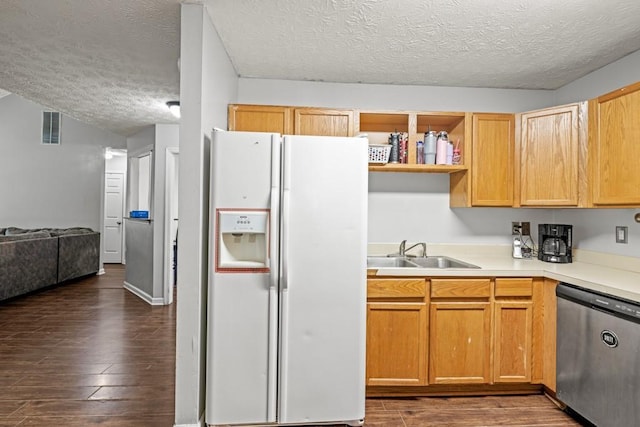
[(171, 223), (114, 204)]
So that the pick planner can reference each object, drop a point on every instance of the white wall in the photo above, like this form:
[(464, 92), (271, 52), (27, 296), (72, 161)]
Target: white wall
[(416, 206), (117, 163), (390, 97), (167, 136), (208, 82), (620, 73), (50, 186), (594, 229)]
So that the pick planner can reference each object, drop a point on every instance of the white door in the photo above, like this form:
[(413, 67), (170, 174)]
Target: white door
[(323, 304), (242, 309), (113, 204)]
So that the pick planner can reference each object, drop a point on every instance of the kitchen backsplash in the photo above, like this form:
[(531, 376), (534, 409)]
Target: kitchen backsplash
[(416, 207)]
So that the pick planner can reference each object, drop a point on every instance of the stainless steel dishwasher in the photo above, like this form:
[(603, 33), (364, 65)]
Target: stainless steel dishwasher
[(598, 356)]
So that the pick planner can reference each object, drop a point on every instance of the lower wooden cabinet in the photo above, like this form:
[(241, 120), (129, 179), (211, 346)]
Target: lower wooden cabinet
[(460, 343), (396, 331), (513, 330), (512, 350), (396, 343), (457, 331), (460, 331)]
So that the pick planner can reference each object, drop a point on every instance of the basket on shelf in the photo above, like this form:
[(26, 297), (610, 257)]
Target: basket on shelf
[(379, 153)]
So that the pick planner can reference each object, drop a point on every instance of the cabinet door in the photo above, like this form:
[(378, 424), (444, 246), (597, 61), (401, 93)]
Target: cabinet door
[(613, 147), (323, 122), (460, 343), (260, 118), (396, 343), (492, 160), (550, 157), (512, 350)]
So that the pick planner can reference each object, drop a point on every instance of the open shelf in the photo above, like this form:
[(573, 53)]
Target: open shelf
[(407, 167)]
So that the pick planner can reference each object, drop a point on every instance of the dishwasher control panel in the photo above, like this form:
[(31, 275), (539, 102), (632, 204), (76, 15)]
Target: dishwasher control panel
[(628, 309)]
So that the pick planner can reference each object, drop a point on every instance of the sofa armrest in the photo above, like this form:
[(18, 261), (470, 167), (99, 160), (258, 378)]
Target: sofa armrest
[(27, 265), (78, 255)]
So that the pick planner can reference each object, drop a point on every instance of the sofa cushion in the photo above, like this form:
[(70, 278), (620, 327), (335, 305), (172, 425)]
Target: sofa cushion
[(24, 236), (74, 230)]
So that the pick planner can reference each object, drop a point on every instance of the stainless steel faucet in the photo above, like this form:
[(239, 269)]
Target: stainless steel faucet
[(402, 250)]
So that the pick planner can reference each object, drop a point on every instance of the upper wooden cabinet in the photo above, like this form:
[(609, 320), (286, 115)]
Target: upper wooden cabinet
[(291, 120), (323, 122), (614, 132), (550, 157), (261, 118), (492, 159), (378, 126)]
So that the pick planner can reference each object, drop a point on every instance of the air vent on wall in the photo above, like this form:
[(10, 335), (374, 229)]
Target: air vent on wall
[(51, 128)]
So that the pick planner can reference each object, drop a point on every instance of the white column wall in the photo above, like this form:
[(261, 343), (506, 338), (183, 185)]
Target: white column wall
[(208, 82)]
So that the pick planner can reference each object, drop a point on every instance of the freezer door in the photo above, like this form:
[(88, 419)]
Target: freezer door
[(242, 345), (323, 289)]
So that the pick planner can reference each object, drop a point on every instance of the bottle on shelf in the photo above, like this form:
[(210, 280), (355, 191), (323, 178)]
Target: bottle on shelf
[(394, 140), (450, 153), (420, 152), (430, 147), (441, 148), (457, 156)]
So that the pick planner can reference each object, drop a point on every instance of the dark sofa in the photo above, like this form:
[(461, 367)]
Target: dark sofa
[(32, 259)]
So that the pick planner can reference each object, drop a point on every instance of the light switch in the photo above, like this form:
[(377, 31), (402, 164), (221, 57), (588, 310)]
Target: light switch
[(621, 234)]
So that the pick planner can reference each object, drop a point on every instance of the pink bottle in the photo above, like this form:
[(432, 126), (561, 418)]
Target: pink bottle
[(441, 148)]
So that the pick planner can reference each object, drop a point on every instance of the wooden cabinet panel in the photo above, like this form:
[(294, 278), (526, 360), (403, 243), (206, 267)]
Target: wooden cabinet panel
[(396, 288), (460, 343), (549, 149), (512, 351), (260, 118), (460, 288), (492, 160), (514, 287), (550, 312), (323, 122), (396, 343), (614, 132)]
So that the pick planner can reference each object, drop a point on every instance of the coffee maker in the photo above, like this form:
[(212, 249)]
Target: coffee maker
[(555, 242)]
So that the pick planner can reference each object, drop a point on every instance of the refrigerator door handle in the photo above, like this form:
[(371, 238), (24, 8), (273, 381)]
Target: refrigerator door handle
[(284, 243), (274, 277)]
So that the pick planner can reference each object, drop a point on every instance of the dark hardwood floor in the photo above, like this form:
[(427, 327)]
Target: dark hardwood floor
[(87, 353), (90, 353)]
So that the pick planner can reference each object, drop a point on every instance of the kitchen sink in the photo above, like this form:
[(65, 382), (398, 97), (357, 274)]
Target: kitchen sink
[(393, 262), (424, 262), (441, 262)]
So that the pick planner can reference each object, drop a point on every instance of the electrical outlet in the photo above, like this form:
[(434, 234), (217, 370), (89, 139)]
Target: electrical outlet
[(621, 234), (516, 228), (526, 228)]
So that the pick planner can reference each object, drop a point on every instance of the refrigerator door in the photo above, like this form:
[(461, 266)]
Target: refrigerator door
[(323, 289), (242, 305)]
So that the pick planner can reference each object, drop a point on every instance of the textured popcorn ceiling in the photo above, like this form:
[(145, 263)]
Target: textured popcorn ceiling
[(534, 44), (110, 63), (113, 63)]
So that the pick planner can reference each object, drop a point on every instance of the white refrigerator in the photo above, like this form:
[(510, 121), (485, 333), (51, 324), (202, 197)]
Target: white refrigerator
[(287, 280)]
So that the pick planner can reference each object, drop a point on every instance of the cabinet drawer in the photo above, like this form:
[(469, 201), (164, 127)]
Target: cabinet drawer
[(396, 288), (514, 287), (461, 288)]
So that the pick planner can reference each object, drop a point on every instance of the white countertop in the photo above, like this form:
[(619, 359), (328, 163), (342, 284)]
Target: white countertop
[(614, 275)]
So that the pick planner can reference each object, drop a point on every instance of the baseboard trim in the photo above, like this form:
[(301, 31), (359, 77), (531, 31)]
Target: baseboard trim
[(143, 295), (100, 272)]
